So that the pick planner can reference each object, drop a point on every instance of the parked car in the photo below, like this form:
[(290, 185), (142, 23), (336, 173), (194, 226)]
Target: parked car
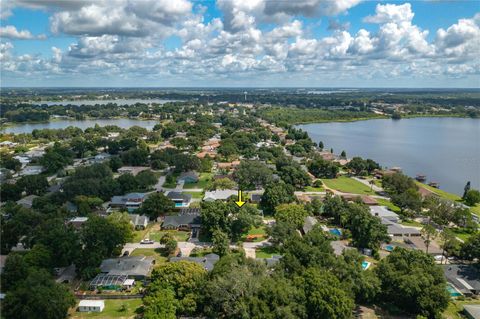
[(146, 241)]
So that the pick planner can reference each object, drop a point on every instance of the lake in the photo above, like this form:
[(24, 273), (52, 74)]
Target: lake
[(447, 150), (61, 124), (104, 102)]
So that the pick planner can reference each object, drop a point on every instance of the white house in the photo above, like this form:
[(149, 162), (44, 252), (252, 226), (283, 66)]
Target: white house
[(382, 212), (223, 194), (91, 305)]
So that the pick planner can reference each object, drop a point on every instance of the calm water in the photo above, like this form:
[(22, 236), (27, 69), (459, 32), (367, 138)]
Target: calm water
[(103, 102), (447, 150), (61, 124)]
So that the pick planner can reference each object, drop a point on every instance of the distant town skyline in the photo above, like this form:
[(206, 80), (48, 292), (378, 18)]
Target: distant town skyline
[(240, 43)]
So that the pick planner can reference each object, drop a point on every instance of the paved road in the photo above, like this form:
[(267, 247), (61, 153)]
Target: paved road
[(159, 185)]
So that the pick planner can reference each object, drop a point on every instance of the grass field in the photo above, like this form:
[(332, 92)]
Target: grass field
[(138, 235), (389, 204), (440, 192), (411, 223), (197, 195), (150, 252), (462, 234), (314, 189), (456, 307), (113, 309), (203, 180), (255, 231), (156, 235), (347, 185), (266, 252)]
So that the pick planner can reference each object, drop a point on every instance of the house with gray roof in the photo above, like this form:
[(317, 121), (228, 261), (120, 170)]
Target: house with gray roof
[(27, 201), (384, 212), (207, 261), (138, 267), (397, 230), (222, 194), (188, 177), (466, 278), (185, 222), (472, 311), (129, 201), (139, 221), (180, 199), (308, 224)]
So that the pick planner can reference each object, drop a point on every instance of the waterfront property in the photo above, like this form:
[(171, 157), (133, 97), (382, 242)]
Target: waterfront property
[(385, 213)]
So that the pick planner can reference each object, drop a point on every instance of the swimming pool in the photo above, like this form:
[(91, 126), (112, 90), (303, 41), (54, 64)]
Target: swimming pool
[(365, 265), (389, 248), (336, 232), (453, 291)]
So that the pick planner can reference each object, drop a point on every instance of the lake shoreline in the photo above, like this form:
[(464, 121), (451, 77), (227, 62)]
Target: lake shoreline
[(414, 145)]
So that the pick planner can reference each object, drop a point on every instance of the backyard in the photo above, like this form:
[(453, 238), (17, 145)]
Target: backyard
[(203, 180), (156, 235), (266, 252), (347, 185), (114, 308), (257, 234), (150, 252)]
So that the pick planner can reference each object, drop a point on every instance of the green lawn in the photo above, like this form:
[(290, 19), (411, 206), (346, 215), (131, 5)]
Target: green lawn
[(201, 253), (266, 252), (150, 252), (314, 189), (411, 223), (156, 235), (203, 180), (112, 310), (138, 235), (347, 185), (389, 204), (476, 210), (173, 184), (440, 192), (255, 231), (198, 195), (461, 233), (455, 308)]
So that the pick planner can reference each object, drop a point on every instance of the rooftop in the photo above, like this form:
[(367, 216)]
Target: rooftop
[(207, 261)]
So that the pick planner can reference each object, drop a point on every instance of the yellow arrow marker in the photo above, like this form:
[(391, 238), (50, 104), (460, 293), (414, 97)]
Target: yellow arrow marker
[(240, 202)]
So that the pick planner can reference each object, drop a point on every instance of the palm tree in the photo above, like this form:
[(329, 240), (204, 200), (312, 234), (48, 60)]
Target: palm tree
[(429, 233)]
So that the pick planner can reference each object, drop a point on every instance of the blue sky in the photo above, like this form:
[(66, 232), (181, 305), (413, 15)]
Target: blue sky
[(320, 43)]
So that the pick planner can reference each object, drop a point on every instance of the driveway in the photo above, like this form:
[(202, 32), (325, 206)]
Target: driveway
[(159, 185)]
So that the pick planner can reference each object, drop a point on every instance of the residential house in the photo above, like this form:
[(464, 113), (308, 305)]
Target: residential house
[(185, 222), (180, 199), (139, 221), (8, 144), (31, 170), (27, 201), (87, 305), (229, 165), (77, 222), (134, 170), (129, 201), (188, 177), (255, 198), (398, 230), (384, 212), (472, 311), (222, 194), (207, 261), (309, 223), (466, 278), (138, 267)]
